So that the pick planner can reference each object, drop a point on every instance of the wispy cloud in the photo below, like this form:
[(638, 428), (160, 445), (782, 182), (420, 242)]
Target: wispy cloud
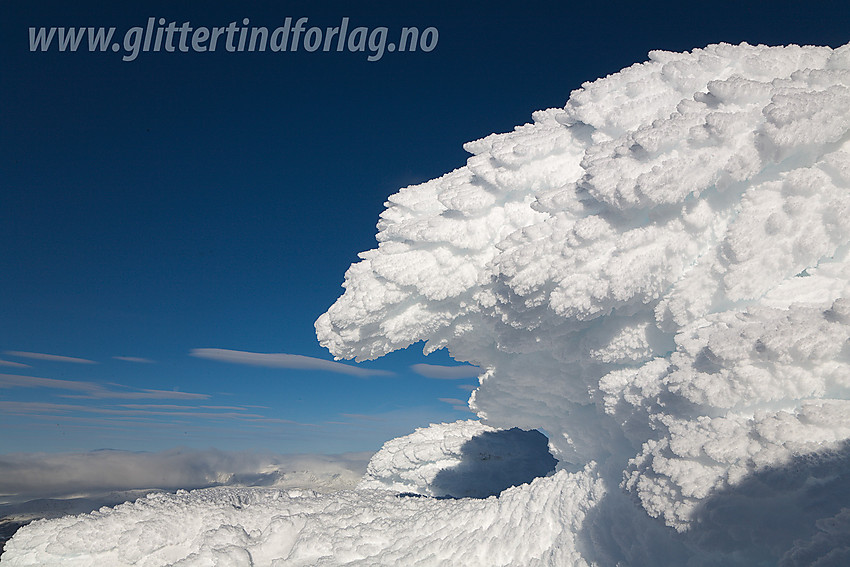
[(29, 408), (282, 360), (142, 394), (457, 404), (92, 390), (47, 357), (278, 420), (134, 359), (16, 381), (126, 417), (446, 372), (174, 407), (15, 364), (362, 417), (118, 415)]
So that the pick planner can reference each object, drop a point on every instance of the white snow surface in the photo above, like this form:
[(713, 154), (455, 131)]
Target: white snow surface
[(411, 463), (242, 527), (461, 459), (657, 275)]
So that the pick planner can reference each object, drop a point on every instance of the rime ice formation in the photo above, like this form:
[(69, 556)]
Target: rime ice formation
[(411, 463), (247, 527), (461, 459), (657, 275)]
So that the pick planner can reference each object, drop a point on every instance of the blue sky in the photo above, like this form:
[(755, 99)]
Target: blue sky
[(162, 217)]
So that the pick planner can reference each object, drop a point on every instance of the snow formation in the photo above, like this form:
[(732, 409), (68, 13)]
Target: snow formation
[(461, 459), (657, 275)]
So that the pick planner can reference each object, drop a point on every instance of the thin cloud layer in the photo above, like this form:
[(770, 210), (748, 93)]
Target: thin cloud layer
[(460, 405), (134, 359), (48, 357), (282, 360), (92, 390), (155, 410)]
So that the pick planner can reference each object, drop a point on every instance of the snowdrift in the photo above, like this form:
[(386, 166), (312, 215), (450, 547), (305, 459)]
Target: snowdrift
[(657, 276)]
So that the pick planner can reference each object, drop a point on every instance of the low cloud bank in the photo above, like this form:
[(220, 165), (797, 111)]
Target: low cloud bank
[(27, 476)]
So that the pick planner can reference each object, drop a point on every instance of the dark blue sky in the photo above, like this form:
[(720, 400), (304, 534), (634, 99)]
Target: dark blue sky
[(215, 200)]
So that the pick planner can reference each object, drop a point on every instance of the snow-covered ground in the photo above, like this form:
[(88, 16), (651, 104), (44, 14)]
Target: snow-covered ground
[(37, 486), (657, 276)]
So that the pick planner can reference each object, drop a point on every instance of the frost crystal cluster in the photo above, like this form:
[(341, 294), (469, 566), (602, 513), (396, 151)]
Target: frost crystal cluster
[(657, 275)]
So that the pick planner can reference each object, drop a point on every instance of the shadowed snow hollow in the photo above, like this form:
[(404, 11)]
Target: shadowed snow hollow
[(458, 460), (656, 275)]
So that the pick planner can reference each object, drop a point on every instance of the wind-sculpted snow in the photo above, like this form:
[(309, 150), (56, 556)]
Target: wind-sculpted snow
[(657, 276), (246, 527), (461, 459), (411, 463)]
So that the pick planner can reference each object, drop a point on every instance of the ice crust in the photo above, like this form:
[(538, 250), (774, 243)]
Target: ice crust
[(657, 276)]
